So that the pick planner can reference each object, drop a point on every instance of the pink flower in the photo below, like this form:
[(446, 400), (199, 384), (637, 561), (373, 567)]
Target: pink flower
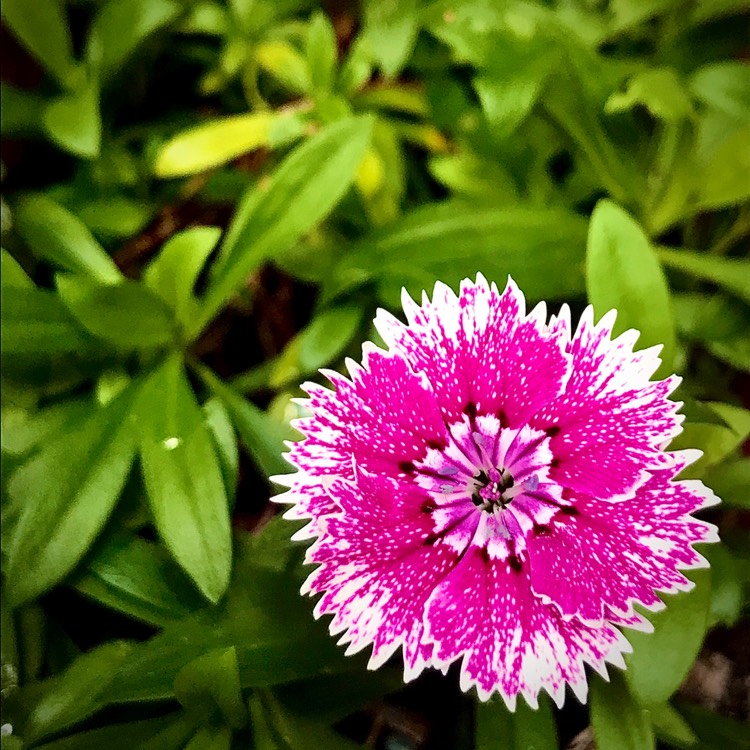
[(495, 488)]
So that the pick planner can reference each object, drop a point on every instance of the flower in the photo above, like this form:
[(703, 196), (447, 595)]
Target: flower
[(495, 488)]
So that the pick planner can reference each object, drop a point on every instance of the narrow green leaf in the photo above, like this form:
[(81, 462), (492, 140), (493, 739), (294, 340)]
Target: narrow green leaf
[(262, 437), (285, 64), (73, 121), (213, 143), (11, 273), (657, 89), (254, 618), (730, 482), (225, 442), (305, 188), (72, 696), (321, 51), (623, 272), (127, 314), (211, 738), (174, 271), (21, 113), (294, 731), (568, 105), (56, 235), (183, 479), (209, 688), (723, 180), (36, 326), (450, 241), (524, 729), (660, 660), (68, 491), (619, 722), (113, 737), (725, 86), (43, 29), (135, 577), (391, 31), (731, 273), (121, 26), (670, 726)]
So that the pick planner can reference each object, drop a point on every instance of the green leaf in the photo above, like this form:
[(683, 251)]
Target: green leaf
[(114, 737), (390, 31), (565, 101), (660, 660), (174, 271), (276, 727), (135, 577), (724, 86), (127, 314), (24, 430), (73, 121), (331, 698), (730, 482), (451, 241), (225, 442), (11, 272), (262, 437), (715, 731), (209, 688), (21, 113), (285, 64), (36, 323), (716, 441), (255, 619), (524, 729), (477, 179), (183, 479), (726, 585), (731, 273), (305, 188), (56, 235), (619, 722), (120, 27), (670, 726), (659, 90), (623, 272), (321, 51), (513, 81), (72, 696), (318, 344), (211, 738), (68, 491), (43, 30), (214, 143), (723, 181)]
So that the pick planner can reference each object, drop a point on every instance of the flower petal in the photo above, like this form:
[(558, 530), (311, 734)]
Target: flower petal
[(378, 567), (510, 641), (383, 417), (609, 555), (611, 424), (479, 348)]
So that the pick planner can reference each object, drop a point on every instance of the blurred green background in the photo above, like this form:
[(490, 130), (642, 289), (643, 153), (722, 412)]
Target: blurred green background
[(205, 201)]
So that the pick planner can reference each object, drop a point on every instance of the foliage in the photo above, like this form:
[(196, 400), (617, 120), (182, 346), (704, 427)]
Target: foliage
[(595, 151)]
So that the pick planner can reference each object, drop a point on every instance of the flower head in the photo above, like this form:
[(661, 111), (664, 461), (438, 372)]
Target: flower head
[(495, 488)]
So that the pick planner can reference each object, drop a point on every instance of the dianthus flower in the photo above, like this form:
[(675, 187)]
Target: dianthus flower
[(495, 488)]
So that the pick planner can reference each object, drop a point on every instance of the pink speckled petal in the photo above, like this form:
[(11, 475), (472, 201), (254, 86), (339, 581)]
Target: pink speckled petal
[(611, 424), (609, 555), (509, 640), (378, 566), (480, 348), (383, 417)]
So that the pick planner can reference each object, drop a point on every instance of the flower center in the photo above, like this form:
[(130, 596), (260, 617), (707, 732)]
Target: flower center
[(492, 488)]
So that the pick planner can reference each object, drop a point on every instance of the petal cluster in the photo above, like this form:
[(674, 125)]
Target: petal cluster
[(494, 489)]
